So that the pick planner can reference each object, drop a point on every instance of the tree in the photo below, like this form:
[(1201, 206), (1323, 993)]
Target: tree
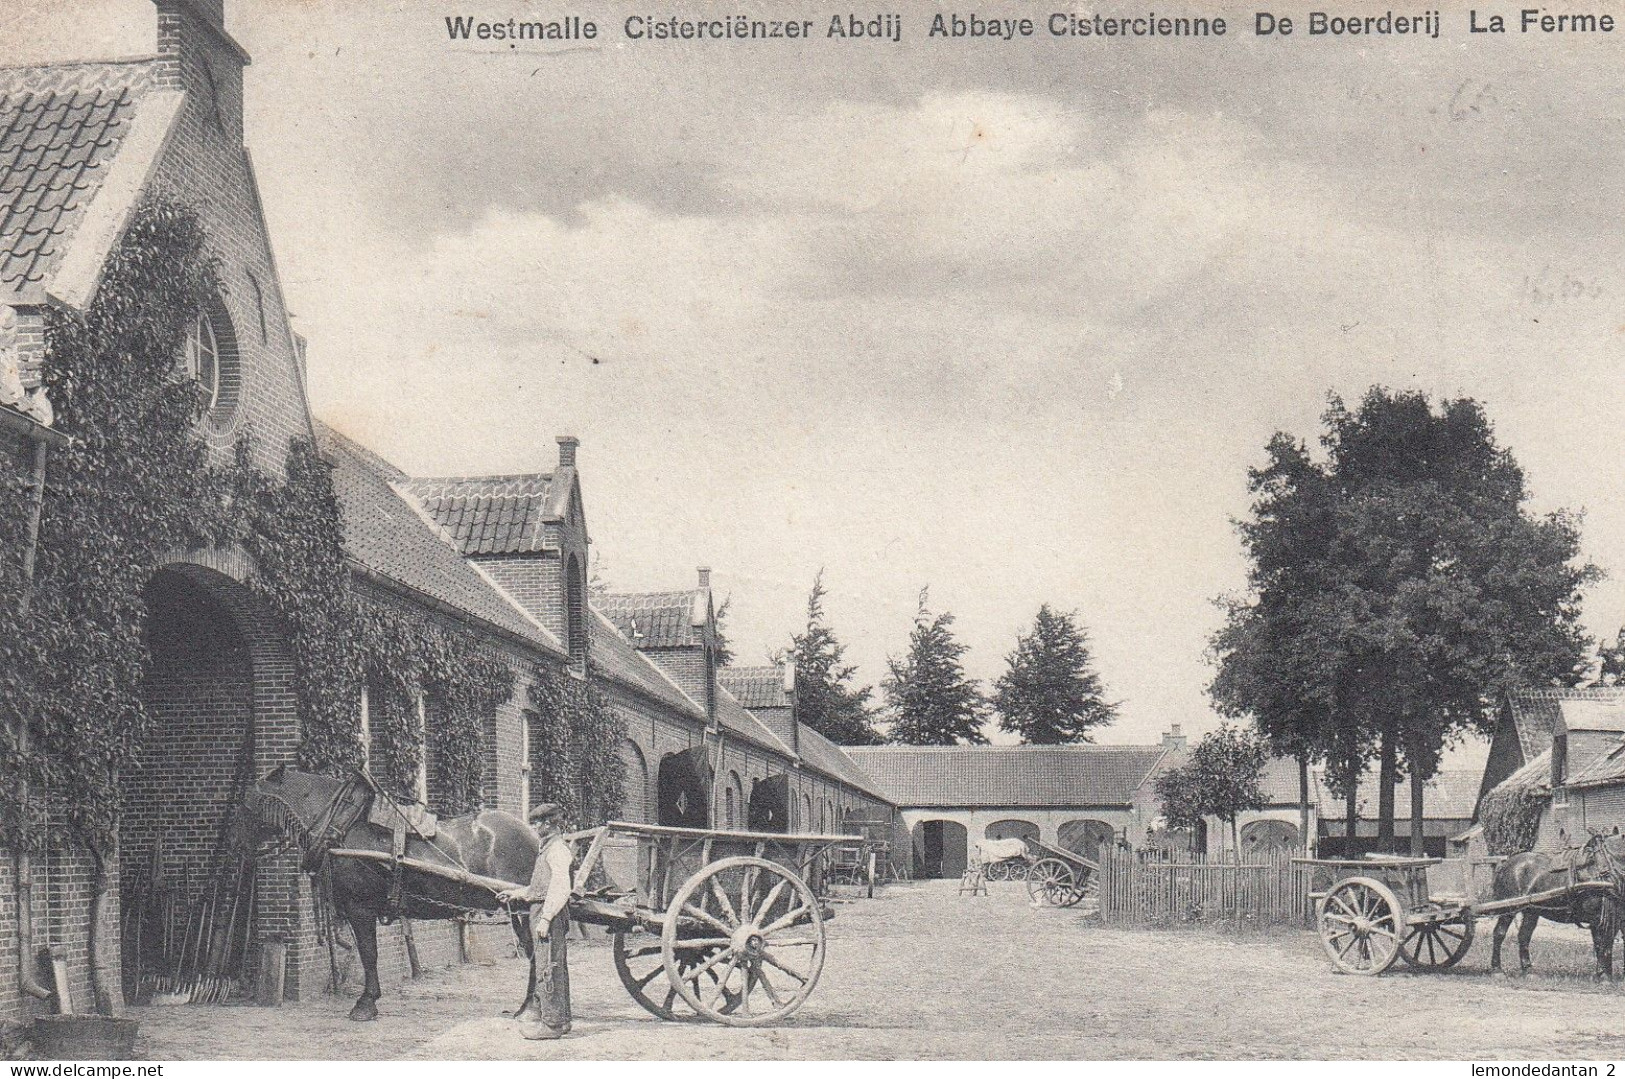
[(1223, 778), (1398, 587), (932, 702), (724, 651), (1050, 694), (826, 698)]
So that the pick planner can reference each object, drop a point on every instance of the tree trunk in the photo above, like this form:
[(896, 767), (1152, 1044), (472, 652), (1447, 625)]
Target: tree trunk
[(103, 936), (1351, 808), (1387, 775), (1303, 802), (1417, 846)]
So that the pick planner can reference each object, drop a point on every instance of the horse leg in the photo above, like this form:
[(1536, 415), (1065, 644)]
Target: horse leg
[(365, 928), (531, 1009), (1502, 924), (1602, 946), (1526, 930)]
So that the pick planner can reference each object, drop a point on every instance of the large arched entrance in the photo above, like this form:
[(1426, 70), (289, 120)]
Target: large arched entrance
[(770, 805), (940, 848), (1086, 837), (1011, 829), (1270, 839), (221, 711)]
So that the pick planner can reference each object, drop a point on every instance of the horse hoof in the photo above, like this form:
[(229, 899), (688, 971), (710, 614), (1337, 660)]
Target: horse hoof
[(364, 1011)]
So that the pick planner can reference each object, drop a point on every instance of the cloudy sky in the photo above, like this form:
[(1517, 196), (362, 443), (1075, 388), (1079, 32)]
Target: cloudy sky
[(1011, 320)]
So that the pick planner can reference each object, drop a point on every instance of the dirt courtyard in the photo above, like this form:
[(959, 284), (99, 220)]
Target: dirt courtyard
[(921, 972)]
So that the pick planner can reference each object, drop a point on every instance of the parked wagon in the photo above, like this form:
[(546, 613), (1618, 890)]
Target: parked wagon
[(1373, 912), (1059, 877), (721, 926)]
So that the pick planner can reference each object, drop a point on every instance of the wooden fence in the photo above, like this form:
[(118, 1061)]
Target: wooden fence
[(1262, 891)]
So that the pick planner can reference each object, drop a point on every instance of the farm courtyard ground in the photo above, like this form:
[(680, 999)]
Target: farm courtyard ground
[(922, 973)]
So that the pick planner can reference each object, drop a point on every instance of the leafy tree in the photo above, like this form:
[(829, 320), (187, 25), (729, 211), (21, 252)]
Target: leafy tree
[(1398, 587), (725, 652), (932, 702), (1223, 778), (826, 698), (1050, 693)]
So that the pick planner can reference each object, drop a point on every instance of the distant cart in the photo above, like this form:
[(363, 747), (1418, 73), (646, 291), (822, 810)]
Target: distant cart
[(721, 926), (1058, 877), (1373, 912)]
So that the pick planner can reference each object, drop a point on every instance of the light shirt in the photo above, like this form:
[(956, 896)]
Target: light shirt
[(552, 864)]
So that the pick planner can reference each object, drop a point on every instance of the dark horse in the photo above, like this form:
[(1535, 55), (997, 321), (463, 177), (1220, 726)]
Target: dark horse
[(323, 814), (1601, 859)]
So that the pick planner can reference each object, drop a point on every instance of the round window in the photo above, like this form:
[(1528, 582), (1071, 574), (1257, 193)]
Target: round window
[(210, 359)]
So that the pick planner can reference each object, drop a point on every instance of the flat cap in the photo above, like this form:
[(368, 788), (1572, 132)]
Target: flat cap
[(544, 810)]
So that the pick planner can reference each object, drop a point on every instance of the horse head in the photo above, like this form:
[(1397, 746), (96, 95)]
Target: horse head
[(287, 808)]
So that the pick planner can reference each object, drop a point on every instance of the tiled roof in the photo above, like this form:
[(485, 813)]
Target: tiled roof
[(61, 127), (1007, 775), (1450, 795), (1535, 776), (1535, 711), (387, 534), (615, 658), (733, 718), (656, 619), (1606, 765), (1279, 781), (490, 514), (820, 753), (756, 687)]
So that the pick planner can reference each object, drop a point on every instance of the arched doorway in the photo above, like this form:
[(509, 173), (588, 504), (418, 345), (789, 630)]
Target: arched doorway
[(1270, 839), (685, 789), (635, 803), (219, 697), (733, 802), (1086, 837), (940, 848)]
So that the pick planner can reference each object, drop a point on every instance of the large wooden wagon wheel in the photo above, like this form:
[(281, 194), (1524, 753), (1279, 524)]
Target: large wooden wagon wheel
[(999, 870), (1437, 945), (1361, 925), (763, 934), (1052, 882), (640, 960), (1090, 888)]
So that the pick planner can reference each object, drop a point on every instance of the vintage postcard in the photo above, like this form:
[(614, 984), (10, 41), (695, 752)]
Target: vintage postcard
[(600, 530)]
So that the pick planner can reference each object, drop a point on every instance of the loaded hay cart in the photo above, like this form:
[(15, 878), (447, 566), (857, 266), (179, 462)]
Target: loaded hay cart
[(722, 926), (1372, 912)]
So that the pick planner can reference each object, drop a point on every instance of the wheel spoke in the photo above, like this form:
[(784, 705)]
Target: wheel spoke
[(767, 957), (745, 891), (786, 921), (694, 975), (1347, 910), (649, 977), (723, 900), (767, 987), (773, 894), (722, 984), (708, 918), (697, 943)]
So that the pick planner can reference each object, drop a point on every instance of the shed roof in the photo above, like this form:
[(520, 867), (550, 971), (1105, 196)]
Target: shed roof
[(1007, 775), (1534, 712), (493, 514), (658, 619), (387, 533), (820, 753)]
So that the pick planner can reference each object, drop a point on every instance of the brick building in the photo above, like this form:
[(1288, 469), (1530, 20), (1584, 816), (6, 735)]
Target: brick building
[(503, 558)]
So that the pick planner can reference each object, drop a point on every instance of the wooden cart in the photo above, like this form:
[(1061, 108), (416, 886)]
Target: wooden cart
[(722, 926), (1058, 877), (1372, 912)]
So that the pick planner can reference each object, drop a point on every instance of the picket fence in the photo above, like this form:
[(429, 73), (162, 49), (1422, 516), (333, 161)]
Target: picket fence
[(1265, 890)]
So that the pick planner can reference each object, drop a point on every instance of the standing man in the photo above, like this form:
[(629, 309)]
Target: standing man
[(546, 1012)]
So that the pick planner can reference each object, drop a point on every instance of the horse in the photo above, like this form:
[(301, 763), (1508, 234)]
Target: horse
[(1602, 858), (322, 813)]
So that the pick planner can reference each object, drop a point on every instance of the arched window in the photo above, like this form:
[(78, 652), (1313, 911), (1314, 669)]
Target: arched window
[(575, 611), (203, 357)]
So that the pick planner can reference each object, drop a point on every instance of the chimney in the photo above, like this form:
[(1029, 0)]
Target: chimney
[(195, 54), (1174, 739), (705, 576), (568, 444)]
